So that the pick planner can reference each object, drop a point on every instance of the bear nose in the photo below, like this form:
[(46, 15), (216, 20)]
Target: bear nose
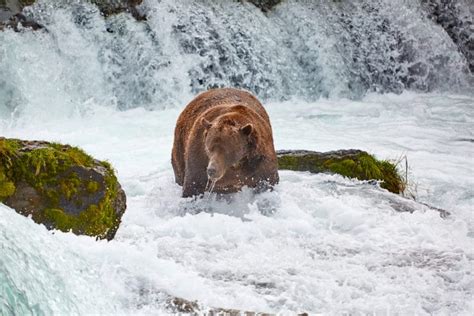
[(211, 172)]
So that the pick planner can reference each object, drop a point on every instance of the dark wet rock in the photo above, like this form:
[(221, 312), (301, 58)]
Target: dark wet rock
[(11, 15), (350, 163), (18, 21), (111, 7), (265, 5), (469, 140), (61, 187), (456, 18), (178, 305), (9, 8)]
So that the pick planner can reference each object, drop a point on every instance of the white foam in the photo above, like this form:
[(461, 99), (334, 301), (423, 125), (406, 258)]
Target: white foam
[(325, 244)]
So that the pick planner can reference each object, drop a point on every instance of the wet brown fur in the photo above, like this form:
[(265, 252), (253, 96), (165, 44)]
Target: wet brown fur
[(225, 109)]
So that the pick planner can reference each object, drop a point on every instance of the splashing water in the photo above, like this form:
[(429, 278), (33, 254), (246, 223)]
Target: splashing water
[(317, 243), (301, 49), (213, 184)]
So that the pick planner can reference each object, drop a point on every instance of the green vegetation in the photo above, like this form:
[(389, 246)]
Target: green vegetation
[(52, 170), (355, 164), (7, 157), (7, 188)]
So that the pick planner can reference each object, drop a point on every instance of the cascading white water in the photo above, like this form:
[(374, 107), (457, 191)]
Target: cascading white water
[(300, 49), (318, 243)]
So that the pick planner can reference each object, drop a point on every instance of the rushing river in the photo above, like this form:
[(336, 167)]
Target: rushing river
[(373, 75)]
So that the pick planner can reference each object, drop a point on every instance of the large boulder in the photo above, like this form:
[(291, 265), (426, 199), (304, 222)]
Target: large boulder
[(61, 187), (350, 163)]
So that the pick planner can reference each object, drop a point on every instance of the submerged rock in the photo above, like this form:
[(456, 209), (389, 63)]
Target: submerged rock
[(350, 163), (61, 187), (177, 305)]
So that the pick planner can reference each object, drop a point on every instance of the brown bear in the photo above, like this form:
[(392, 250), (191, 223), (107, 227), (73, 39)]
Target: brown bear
[(223, 137)]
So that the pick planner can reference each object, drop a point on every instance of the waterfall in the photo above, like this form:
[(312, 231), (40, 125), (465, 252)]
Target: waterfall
[(299, 49)]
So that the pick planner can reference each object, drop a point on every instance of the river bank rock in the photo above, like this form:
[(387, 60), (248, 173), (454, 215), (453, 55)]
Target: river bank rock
[(350, 163), (61, 187)]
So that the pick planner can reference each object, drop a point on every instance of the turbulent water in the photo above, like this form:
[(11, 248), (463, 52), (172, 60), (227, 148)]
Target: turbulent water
[(304, 50), (327, 72)]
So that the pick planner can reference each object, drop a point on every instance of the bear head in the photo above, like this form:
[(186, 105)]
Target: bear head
[(227, 142)]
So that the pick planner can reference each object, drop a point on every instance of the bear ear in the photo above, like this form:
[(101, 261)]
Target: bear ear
[(206, 123), (246, 129)]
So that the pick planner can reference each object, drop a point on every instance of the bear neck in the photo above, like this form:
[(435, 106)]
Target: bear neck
[(251, 163)]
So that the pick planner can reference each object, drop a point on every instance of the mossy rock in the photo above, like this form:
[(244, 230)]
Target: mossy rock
[(350, 163), (61, 187)]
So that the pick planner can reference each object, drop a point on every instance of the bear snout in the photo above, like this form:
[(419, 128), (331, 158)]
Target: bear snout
[(211, 172), (215, 169)]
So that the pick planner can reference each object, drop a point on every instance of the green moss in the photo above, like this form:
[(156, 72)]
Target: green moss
[(48, 168), (70, 186), (96, 220), (8, 151), (302, 163), (366, 167), (361, 166), (8, 155), (7, 188), (345, 167), (93, 186)]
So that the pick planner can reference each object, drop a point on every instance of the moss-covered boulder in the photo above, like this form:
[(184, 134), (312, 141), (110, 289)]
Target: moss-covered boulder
[(350, 163), (61, 187)]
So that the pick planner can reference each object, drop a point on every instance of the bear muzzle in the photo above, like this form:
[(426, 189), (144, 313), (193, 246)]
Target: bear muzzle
[(211, 172), (214, 170)]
